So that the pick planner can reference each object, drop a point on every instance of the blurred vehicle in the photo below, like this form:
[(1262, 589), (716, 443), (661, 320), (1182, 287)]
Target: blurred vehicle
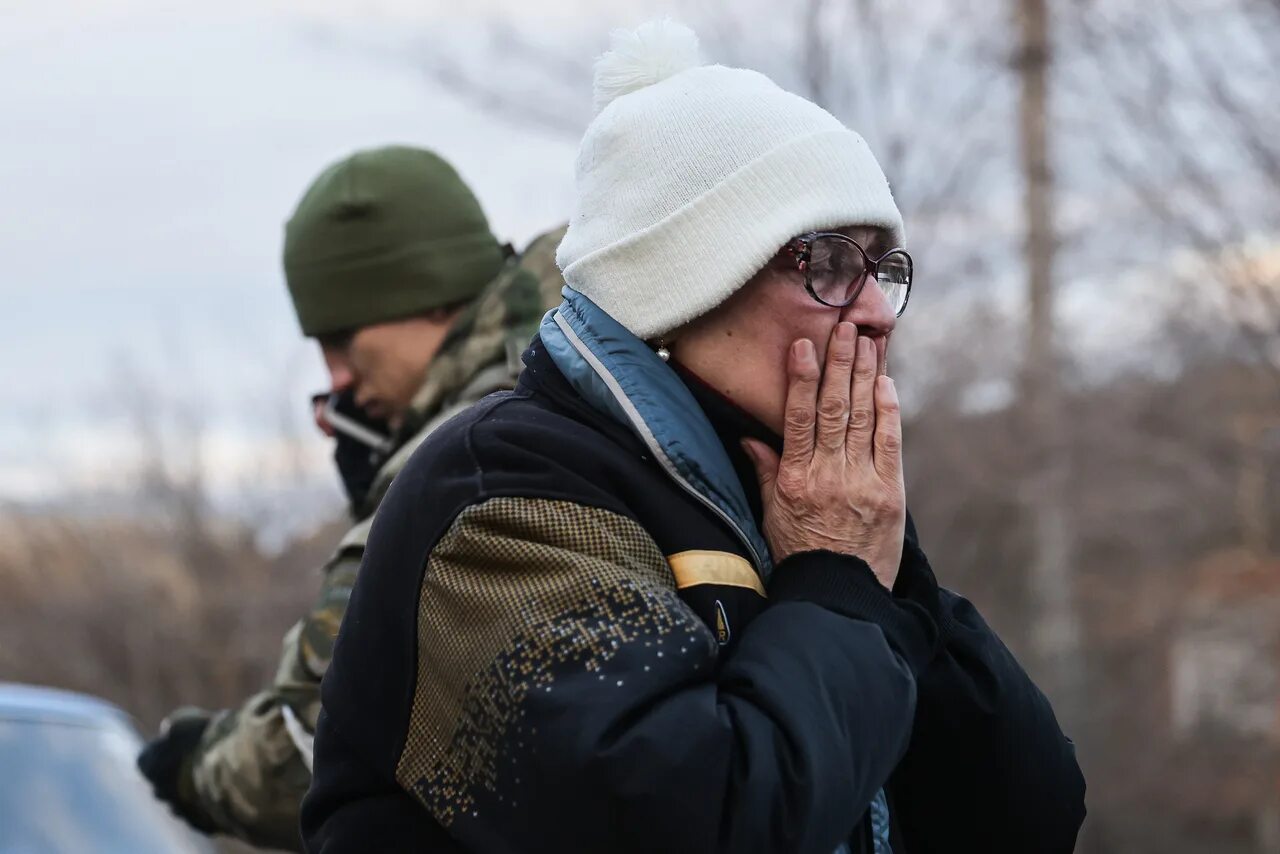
[(68, 782)]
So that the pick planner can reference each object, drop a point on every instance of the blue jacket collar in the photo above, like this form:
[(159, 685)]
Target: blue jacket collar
[(617, 374)]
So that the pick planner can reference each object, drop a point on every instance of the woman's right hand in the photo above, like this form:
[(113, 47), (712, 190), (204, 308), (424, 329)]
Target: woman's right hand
[(838, 485)]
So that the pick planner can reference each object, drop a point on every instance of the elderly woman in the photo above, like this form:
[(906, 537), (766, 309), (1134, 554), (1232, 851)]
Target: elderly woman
[(665, 595)]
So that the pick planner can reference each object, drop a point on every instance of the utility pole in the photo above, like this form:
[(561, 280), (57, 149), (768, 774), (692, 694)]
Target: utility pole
[(1055, 633)]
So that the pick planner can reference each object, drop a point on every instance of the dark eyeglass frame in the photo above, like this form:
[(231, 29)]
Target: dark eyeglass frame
[(799, 250)]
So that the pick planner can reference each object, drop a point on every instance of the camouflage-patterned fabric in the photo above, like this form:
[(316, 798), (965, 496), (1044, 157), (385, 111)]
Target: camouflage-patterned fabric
[(252, 766)]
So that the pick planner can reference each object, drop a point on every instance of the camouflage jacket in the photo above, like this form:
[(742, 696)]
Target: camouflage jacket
[(253, 764)]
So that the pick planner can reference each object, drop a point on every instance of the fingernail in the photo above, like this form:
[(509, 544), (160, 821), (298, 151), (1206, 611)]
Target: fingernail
[(804, 350), (845, 331), (864, 346)]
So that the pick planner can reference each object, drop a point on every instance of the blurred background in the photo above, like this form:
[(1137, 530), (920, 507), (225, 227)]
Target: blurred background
[(1090, 361)]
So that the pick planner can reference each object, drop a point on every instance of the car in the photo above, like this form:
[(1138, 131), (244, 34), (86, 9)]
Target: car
[(68, 782)]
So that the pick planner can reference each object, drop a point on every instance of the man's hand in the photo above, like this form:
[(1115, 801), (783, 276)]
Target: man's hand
[(838, 485), (166, 763)]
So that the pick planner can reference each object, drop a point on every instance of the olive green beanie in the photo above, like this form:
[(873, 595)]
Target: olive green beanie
[(382, 235)]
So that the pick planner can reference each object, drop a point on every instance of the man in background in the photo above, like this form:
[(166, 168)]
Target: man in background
[(419, 311)]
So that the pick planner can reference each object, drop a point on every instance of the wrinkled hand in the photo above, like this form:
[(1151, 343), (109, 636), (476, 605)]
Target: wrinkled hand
[(166, 763), (838, 485)]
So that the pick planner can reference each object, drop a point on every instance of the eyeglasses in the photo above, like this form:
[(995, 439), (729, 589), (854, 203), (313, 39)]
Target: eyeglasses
[(835, 269)]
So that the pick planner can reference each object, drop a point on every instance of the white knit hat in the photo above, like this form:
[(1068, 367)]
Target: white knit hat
[(691, 177)]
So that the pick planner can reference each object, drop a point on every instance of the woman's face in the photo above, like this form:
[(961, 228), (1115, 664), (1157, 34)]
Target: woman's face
[(740, 348)]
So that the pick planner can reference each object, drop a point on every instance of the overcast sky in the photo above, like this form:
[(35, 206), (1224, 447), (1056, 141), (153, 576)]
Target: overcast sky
[(149, 156)]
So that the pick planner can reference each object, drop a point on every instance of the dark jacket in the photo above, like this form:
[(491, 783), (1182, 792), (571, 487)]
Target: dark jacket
[(567, 636)]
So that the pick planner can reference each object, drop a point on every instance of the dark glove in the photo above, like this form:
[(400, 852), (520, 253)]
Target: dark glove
[(167, 760)]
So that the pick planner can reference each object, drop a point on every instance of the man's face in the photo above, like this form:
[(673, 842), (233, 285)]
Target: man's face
[(384, 365), (740, 348)]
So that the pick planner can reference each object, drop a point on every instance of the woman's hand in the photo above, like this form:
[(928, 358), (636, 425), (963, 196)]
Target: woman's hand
[(838, 485)]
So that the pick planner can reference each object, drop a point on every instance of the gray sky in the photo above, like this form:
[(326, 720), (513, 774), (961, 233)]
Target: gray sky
[(149, 156)]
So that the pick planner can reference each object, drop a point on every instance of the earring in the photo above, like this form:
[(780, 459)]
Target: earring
[(663, 353)]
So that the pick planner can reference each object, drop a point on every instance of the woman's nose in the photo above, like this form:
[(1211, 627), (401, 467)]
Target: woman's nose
[(871, 311)]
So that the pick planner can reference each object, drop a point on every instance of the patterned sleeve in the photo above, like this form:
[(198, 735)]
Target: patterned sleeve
[(564, 692)]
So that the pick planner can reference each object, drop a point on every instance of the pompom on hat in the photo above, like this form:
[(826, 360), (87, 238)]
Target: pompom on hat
[(691, 176), (642, 57)]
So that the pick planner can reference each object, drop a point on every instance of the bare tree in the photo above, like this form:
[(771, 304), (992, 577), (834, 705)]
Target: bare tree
[(1182, 95)]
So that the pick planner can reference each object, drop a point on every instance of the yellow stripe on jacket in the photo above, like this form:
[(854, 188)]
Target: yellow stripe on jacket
[(696, 567)]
